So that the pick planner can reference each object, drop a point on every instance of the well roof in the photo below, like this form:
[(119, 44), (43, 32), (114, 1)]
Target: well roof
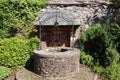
[(63, 17)]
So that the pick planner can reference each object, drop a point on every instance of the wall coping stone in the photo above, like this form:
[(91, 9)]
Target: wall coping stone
[(71, 2), (45, 53)]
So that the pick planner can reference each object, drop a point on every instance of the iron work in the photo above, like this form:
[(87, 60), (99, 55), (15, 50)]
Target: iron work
[(72, 36), (56, 22), (40, 35)]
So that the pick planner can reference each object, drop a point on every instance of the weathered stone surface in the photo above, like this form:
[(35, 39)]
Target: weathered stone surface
[(57, 65), (25, 74), (78, 14), (84, 74), (77, 2)]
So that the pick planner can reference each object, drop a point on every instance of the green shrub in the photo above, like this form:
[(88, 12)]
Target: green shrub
[(112, 72), (112, 55), (96, 40), (98, 69), (4, 72), (116, 3), (86, 59), (15, 52), (17, 16), (115, 31), (101, 41)]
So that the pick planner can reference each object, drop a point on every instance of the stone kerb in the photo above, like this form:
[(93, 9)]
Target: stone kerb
[(69, 2)]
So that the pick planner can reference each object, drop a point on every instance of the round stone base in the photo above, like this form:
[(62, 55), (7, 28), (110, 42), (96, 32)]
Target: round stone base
[(60, 64)]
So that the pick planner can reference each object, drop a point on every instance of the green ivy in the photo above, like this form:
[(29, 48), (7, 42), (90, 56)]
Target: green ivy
[(15, 52), (4, 72)]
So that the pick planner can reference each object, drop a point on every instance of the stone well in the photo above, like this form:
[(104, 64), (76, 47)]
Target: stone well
[(57, 63)]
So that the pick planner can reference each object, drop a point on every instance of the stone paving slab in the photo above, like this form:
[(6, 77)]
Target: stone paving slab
[(25, 74), (85, 74)]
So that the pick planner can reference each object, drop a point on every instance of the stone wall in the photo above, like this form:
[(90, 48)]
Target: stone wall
[(85, 14)]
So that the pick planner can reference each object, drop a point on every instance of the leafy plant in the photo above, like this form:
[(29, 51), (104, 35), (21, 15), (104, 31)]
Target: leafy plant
[(116, 3), (4, 72), (98, 69), (115, 31), (15, 52), (17, 16), (86, 59), (112, 72), (95, 41), (112, 55), (101, 43), (115, 24)]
